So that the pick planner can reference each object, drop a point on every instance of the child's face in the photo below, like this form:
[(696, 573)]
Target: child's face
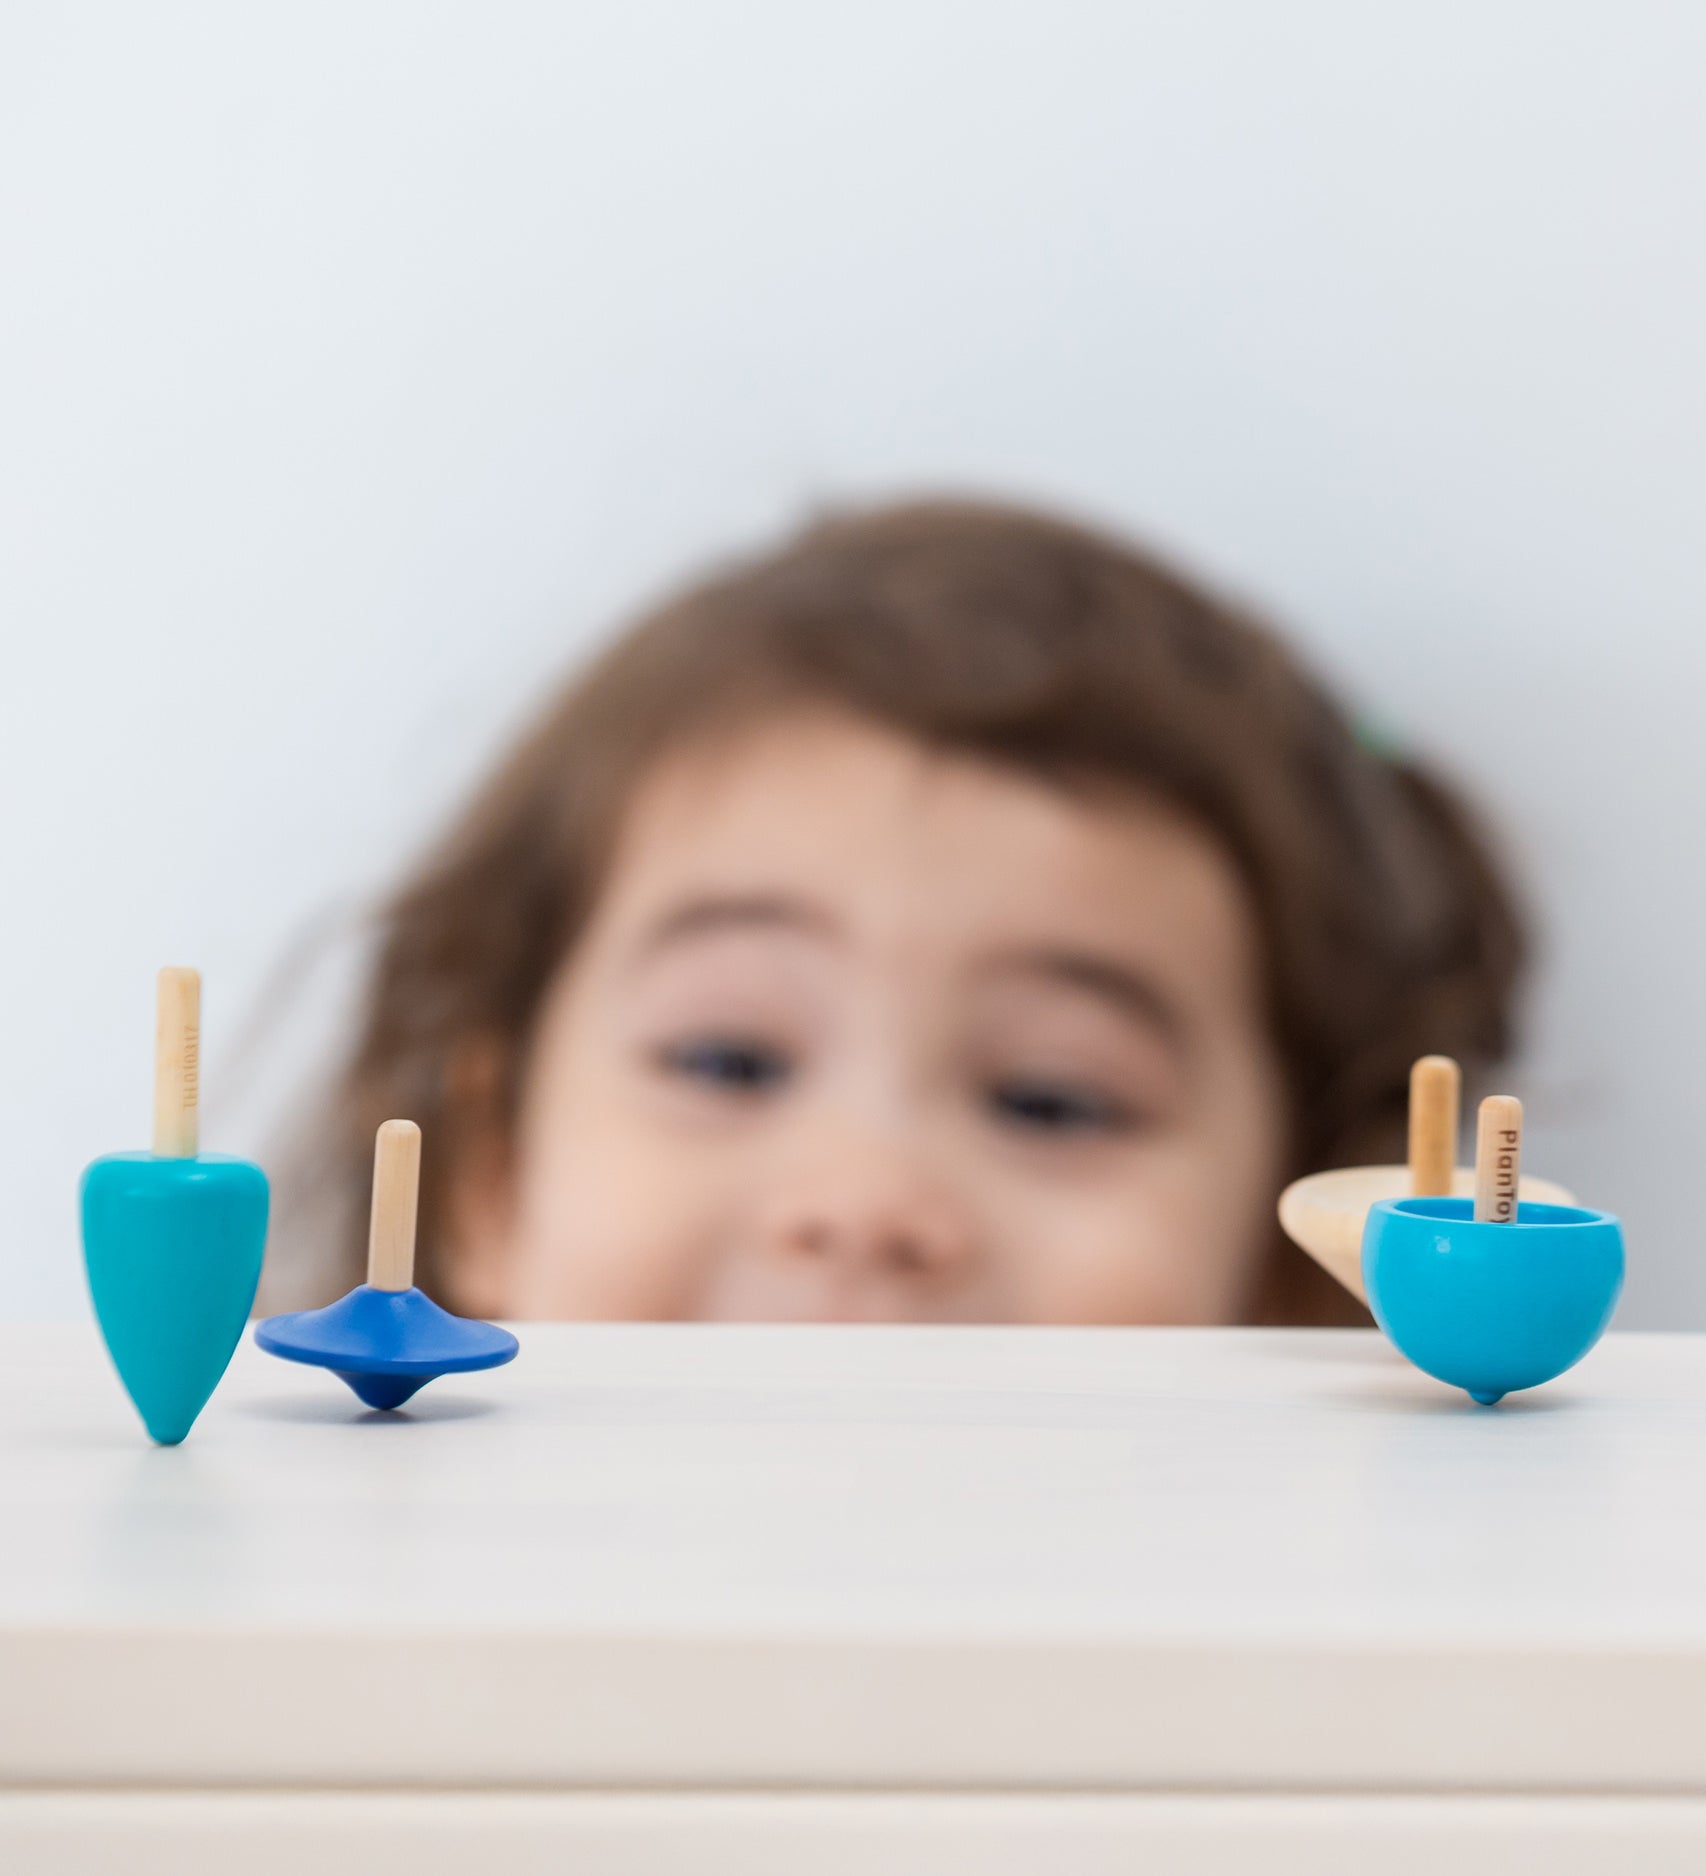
[(862, 1032)]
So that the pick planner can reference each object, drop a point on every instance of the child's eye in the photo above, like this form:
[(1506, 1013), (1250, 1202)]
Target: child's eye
[(1055, 1107), (742, 1067)]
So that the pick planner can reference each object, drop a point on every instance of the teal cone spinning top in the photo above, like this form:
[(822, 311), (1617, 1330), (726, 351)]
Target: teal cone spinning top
[(172, 1239), (386, 1338)]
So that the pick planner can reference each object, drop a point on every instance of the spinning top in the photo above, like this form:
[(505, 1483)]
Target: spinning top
[(172, 1239), (386, 1338), (1325, 1212), (1498, 1293)]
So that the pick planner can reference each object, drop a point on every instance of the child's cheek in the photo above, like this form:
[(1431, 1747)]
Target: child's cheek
[(1156, 1248), (615, 1228)]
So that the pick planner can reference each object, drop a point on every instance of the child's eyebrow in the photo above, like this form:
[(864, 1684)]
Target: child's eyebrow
[(723, 911), (1130, 990)]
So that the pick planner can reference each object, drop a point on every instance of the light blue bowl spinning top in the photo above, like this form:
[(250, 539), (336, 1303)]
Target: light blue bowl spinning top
[(172, 1239), (386, 1338), (1492, 1295)]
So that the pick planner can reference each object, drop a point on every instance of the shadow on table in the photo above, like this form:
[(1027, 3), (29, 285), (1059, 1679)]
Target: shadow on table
[(1393, 1385), (1451, 1403), (348, 1411)]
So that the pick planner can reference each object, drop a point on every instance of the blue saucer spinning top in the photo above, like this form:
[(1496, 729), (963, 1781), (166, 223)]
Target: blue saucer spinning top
[(1491, 1295), (386, 1338)]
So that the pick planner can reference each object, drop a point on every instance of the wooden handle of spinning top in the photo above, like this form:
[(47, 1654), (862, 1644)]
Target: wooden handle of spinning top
[(1435, 1090), (177, 1062), (1498, 1159), (396, 1188)]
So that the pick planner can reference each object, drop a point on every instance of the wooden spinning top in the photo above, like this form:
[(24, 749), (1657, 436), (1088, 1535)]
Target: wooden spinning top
[(1325, 1212)]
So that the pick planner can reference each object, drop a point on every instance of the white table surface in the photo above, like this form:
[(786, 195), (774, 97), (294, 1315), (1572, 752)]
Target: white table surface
[(820, 1560)]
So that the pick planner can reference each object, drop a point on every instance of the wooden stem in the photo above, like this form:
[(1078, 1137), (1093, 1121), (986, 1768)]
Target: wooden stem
[(396, 1187), (177, 1063), (1498, 1159), (1435, 1090)]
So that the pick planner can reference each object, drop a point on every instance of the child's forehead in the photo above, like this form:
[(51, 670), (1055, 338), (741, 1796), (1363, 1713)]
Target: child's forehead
[(802, 775), (867, 822)]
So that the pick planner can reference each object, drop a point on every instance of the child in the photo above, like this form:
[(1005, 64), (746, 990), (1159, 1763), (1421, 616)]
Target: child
[(954, 916)]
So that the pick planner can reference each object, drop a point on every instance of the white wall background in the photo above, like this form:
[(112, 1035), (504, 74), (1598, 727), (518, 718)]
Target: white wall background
[(360, 364)]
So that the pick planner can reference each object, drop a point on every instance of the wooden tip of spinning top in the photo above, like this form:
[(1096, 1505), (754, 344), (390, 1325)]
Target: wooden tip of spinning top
[(177, 1062), (1498, 1159), (1436, 1085), (396, 1192)]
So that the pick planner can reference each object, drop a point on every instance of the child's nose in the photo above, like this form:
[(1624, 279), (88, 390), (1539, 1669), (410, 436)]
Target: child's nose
[(872, 1213)]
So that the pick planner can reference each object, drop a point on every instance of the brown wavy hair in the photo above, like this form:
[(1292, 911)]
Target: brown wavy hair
[(1387, 931)]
